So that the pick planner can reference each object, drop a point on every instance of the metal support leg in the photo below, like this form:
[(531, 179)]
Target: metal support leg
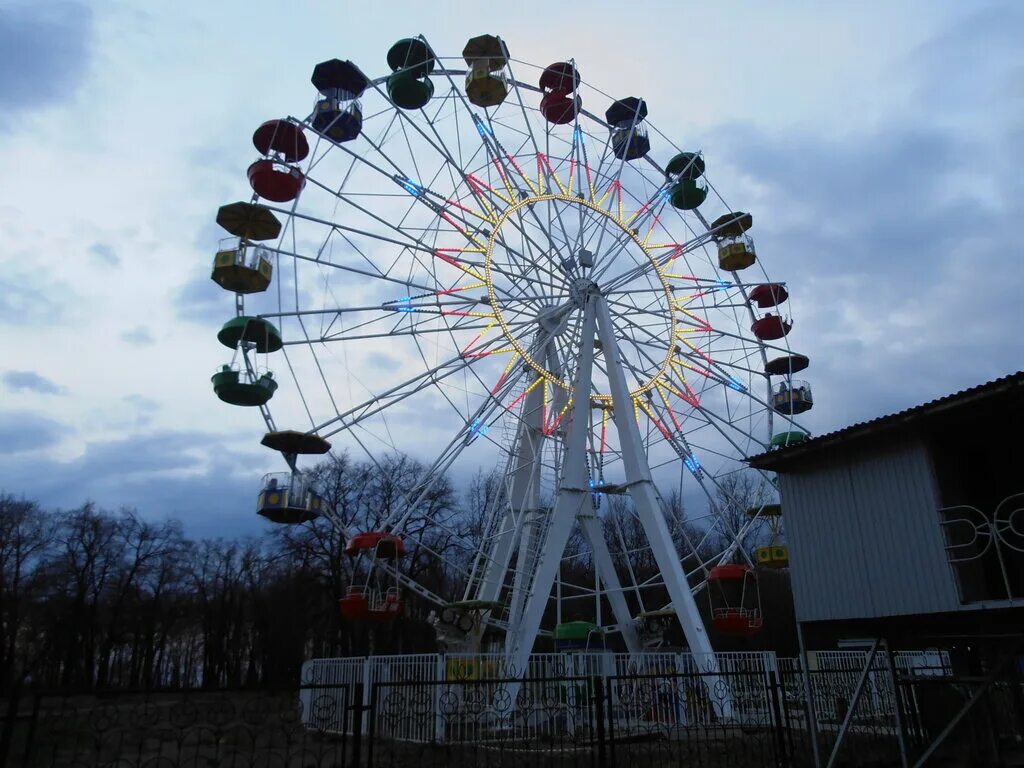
[(573, 497), (524, 496), (524, 499), (645, 497)]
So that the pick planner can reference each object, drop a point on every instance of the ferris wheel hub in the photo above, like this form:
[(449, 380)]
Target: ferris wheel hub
[(580, 288)]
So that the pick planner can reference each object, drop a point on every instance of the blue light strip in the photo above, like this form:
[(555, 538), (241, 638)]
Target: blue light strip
[(693, 464), (734, 383), (411, 187)]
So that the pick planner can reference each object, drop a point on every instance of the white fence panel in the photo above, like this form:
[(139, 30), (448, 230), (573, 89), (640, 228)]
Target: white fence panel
[(455, 697)]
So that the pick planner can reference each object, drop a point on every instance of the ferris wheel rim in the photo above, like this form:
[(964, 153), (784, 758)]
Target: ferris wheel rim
[(430, 373), (527, 86)]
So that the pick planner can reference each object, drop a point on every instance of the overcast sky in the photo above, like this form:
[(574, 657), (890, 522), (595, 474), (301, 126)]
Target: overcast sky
[(879, 145)]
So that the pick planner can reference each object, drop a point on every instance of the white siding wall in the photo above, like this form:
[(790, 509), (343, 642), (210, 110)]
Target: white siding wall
[(863, 536)]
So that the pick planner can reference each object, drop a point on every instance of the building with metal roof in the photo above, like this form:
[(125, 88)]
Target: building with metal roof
[(917, 513), (907, 531)]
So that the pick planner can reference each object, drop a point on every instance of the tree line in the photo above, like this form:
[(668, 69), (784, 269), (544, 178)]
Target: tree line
[(93, 598)]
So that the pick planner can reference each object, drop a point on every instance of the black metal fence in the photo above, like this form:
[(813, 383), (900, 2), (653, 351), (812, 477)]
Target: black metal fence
[(735, 719)]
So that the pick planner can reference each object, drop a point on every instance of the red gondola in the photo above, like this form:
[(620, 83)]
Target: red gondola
[(768, 295), (362, 604), (735, 599), (771, 327), (275, 177), (378, 598), (283, 138), (384, 545), (276, 181), (559, 104)]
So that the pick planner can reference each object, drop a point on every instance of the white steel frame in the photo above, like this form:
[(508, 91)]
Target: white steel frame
[(520, 529)]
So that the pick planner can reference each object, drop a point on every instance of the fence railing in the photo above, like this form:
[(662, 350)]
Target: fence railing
[(832, 675), (567, 710)]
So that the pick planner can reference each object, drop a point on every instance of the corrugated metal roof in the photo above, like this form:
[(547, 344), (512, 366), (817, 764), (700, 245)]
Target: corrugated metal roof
[(773, 459)]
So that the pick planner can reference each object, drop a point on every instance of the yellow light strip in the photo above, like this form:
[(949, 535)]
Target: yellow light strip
[(527, 179), (650, 232), (508, 184)]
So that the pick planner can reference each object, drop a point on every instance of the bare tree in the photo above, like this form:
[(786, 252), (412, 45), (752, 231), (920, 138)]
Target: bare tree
[(738, 497), (25, 542)]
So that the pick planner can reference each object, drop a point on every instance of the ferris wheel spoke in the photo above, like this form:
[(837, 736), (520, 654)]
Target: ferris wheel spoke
[(701, 475), (677, 250), (376, 275), (457, 215), (711, 417), (400, 392), (620, 243), (472, 428), (349, 334), (500, 161), (606, 152), (536, 190), (392, 396), (695, 351), (439, 146), (717, 423), (534, 263), (408, 242), (411, 244)]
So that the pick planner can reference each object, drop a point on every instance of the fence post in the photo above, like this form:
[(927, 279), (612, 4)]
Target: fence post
[(12, 716), (441, 678), (357, 727), (609, 705), (369, 679), (37, 701), (597, 684), (780, 737), (812, 714), (897, 700)]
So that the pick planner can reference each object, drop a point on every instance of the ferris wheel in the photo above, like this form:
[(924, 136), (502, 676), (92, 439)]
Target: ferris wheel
[(485, 262)]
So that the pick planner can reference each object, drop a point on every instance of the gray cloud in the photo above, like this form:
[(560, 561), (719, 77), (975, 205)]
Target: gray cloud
[(44, 53), (138, 415), (104, 253), (382, 361), (195, 477), (200, 300), (31, 381), (22, 431), (137, 336), (32, 296), (894, 241), (145, 404), (975, 62)]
